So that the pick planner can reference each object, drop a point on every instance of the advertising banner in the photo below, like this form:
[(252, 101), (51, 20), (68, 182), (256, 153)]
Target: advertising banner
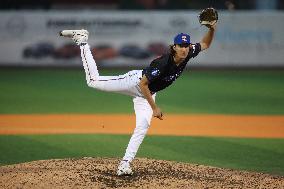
[(129, 38)]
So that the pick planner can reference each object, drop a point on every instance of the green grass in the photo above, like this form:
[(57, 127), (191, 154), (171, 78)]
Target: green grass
[(262, 155), (28, 91)]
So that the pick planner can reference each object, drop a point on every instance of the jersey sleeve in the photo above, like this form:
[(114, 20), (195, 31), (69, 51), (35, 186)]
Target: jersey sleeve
[(155, 69), (196, 48)]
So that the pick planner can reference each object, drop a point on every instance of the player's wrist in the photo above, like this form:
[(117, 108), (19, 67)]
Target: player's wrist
[(155, 108), (212, 27)]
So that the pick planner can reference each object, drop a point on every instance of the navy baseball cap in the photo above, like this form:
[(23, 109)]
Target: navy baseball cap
[(182, 38)]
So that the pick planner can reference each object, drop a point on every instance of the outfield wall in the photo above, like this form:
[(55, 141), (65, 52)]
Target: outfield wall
[(246, 39)]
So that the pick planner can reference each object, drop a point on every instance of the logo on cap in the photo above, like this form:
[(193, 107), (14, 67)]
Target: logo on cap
[(182, 38)]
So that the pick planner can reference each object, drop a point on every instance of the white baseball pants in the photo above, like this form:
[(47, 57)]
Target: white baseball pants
[(127, 84)]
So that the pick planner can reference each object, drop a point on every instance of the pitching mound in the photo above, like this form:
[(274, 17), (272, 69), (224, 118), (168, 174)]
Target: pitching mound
[(100, 173)]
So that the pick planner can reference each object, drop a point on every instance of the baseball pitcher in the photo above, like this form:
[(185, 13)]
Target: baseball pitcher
[(143, 85)]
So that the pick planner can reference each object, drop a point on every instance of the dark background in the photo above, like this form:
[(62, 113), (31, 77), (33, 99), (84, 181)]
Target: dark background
[(142, 4)]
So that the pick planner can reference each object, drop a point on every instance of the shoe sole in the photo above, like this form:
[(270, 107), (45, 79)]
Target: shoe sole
[(70, 33), (66, 33)]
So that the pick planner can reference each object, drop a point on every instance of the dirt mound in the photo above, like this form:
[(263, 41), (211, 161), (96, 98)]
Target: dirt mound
[(100, 173)]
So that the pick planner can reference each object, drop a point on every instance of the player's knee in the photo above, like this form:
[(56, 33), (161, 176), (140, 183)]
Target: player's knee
[(141, 129), (91, 83), (96, 85)]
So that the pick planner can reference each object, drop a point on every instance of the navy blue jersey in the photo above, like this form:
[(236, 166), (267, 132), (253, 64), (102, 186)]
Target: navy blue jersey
[(163, 71)]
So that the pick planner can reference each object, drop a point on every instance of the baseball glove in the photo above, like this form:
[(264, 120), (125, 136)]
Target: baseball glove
[(208, 17)]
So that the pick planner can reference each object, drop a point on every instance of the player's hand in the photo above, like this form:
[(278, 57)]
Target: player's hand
[(213, 26), (158, 113)]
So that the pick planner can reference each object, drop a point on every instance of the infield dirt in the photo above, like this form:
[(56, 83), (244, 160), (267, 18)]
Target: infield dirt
[(100, 173)]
